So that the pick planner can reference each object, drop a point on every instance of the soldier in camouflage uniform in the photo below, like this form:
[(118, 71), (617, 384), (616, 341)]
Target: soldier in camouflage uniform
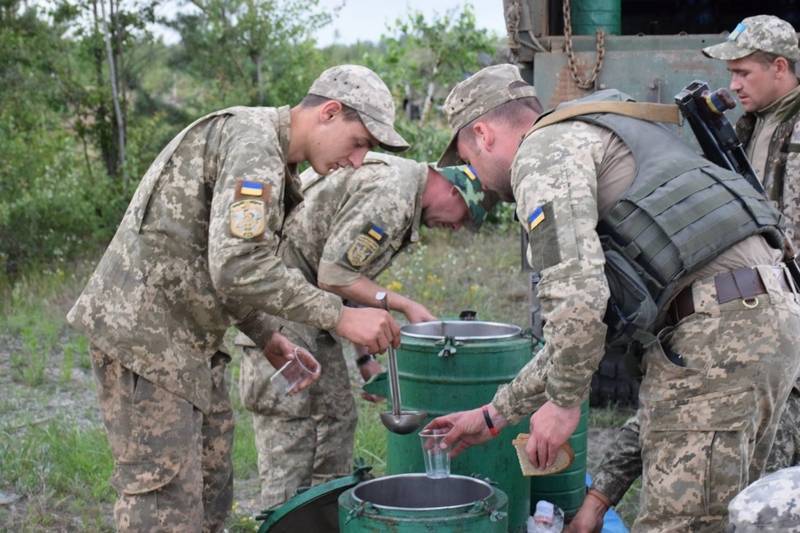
[(195, 253), (770, 505), (760, 53), (347, 230), (719, 363)]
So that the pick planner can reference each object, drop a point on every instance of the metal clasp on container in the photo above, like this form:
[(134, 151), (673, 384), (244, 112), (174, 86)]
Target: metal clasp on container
[(449, 348)]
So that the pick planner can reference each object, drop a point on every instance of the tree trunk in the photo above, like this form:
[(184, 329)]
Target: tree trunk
[(112, 71), (429, 95), (104, 138)]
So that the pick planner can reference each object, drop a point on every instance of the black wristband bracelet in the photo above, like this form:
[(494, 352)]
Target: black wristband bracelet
[(364, 359)]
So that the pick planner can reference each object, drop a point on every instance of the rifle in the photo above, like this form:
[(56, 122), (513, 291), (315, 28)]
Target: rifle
[(704, 110)]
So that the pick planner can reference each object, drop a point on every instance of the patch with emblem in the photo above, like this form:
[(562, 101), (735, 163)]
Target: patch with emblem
[(248, 219), (544, 249), (365, 246)]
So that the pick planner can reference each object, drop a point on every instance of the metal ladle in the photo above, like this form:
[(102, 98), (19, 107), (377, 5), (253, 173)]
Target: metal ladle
[(397, 421)]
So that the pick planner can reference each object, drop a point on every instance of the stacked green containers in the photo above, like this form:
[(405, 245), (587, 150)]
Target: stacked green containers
[(453, 366)]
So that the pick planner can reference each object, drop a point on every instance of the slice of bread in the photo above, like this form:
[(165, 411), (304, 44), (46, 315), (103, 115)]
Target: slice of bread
[(563, 459)]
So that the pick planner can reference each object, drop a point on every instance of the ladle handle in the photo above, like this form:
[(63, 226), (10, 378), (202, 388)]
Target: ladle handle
[(394, 383)]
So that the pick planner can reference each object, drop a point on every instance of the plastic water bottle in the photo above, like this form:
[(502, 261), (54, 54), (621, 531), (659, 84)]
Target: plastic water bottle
[(547, 519)]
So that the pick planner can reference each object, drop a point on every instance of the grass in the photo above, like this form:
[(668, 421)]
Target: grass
[(62, 468)]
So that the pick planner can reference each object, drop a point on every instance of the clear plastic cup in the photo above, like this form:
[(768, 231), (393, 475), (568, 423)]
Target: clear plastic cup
[(290, 375), (437, 459)]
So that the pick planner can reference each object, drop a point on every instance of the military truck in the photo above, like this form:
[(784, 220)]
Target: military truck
[(649, 49)]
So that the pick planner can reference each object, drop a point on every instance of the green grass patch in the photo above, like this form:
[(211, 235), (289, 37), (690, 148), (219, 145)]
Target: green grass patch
[(370, 442), (245, 456), (56, 459)]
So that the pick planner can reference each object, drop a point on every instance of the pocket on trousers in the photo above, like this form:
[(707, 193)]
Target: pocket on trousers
[(715, 429), (140, 478)]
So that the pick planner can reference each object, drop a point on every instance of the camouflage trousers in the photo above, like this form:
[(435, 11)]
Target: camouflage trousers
[(172, 463), (707, 426), (622, 459), (306, 438)]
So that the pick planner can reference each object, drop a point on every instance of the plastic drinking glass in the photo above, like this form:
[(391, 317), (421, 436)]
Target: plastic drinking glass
[(290, 375), (437, 459)]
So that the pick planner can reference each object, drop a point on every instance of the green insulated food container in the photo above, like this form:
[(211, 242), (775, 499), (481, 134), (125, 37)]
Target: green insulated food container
[(448, 366), (414, 503)]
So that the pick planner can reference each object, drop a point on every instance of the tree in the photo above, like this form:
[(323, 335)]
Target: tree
[(252, 52), (423, 57)]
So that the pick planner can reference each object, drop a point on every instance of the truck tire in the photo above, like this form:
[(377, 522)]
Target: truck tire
[(613, 383)]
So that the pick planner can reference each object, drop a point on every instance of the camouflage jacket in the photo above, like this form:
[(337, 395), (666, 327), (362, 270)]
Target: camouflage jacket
[(783, 162), (197, 251), (352, 222)]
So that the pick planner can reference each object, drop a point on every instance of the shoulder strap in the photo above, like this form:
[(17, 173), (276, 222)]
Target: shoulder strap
[(668, 113)]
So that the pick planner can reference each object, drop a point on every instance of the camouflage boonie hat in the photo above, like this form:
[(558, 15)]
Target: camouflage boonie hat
[(363, 90), (479, 201), (478, 94), (766, 33), (770, 504)]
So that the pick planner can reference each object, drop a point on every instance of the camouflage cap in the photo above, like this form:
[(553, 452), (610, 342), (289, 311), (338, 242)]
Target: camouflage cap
[(479, 201), (770, 504), (765, 33), (361, 89), (478, 94)]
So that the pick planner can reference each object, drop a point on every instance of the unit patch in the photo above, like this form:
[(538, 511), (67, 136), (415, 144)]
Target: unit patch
[(248, 219), (365, 246)]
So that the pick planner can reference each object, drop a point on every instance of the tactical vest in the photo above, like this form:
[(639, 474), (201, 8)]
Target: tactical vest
[(680, 212)]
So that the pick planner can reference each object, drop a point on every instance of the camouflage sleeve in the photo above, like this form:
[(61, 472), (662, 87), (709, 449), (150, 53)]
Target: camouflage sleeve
[(554, 177), (258, 326), (245, 268), (791, 188), (621, 464), (374, 216)]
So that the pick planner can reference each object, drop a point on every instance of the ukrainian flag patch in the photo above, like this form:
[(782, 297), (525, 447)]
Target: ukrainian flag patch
[(470, 172), (251, 188), (376, 232), (535, 218)]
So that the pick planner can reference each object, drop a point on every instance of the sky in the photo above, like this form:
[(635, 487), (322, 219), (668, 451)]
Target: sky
[(366, 20)]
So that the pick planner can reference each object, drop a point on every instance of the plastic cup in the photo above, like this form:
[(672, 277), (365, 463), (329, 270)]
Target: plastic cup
[(437, 459), (290, 375)]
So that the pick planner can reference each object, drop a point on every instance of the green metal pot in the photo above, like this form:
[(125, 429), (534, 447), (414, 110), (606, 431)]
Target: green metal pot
[(453, 366), (414, 503)]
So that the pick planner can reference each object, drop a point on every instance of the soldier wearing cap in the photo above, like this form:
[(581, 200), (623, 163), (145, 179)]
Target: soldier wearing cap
[(761, 54), (347, 230), (638, 240), (197, 252)]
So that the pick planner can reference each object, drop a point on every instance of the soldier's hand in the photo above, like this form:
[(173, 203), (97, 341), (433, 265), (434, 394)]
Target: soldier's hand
[(551, 426), (416, 312), (374, 328), (589, 518), (280, 350), (466, 428), (367, 370)]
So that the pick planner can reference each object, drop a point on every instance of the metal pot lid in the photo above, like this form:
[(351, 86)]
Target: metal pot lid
[(316, 509), (461, 330)]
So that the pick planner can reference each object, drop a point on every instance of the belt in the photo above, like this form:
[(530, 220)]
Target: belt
[(743, 283)]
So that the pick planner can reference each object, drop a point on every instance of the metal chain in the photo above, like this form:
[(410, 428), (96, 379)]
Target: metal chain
[(600, 37)]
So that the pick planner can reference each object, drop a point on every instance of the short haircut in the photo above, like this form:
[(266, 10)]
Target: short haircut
[(767, 58), (313, 100), (515, 113)]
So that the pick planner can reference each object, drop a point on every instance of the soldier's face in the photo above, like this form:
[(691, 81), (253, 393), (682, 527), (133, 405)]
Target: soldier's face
[(754, 82), (446, 209), (339, 143), (490, 150)]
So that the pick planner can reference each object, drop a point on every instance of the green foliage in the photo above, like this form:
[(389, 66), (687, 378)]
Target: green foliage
[(57, 459), (251, 52), (421, 59)]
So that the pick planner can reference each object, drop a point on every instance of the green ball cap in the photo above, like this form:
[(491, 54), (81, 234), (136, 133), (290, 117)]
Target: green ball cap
[(479, 201)]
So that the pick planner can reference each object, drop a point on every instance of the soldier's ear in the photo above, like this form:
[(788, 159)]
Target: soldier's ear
[(329, 110)]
